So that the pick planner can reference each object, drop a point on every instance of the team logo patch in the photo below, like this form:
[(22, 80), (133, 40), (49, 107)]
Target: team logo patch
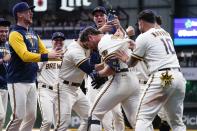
[(30, 38), (104, 53), (166, 79)]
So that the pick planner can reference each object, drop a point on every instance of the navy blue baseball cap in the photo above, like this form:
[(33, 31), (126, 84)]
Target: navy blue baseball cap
[(4, 22), (21, 6), (99, 9), (58, 35)]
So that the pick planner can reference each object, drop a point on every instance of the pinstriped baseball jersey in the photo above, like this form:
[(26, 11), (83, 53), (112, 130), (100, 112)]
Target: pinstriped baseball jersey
[(73, 57), (160, 54), (49, 72), (109, 44), (122, 87)]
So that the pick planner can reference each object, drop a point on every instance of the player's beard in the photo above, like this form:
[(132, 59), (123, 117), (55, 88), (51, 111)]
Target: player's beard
[(28, 21), (3, 39)]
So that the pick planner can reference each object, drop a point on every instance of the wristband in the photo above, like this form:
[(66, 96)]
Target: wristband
[(44, 57)]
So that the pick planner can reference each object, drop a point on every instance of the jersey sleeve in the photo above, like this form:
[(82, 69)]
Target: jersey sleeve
[(16, 41), (141, 46), (42, 48), (78, 57)]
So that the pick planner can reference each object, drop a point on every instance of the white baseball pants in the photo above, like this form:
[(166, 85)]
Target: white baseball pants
[(47, 102), (124, 89), (3, 106), (155, 97), (71, 97), (23, 100), (112, 120)]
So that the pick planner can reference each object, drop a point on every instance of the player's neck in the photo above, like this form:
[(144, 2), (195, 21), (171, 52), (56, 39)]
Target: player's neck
[(148, 27), (23, 24)]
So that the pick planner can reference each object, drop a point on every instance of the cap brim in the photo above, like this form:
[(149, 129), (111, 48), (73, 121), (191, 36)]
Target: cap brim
[(63, 38), (32, 7), (5, 23), (98, 11)]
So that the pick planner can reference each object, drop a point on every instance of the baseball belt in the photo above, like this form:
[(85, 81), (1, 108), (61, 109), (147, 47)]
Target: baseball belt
[(122, 70), (49, 87), (72, 83), (165, 69)]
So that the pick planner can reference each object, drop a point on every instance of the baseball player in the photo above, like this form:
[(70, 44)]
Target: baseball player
[(47, 85), (166, 84), (142, 73), (122, 86), (163, 126), (26, 50), (74, 66), (114, 116), (4, 58)]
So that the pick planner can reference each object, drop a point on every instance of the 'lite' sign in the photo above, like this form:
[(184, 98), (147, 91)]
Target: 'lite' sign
[(67, 5)]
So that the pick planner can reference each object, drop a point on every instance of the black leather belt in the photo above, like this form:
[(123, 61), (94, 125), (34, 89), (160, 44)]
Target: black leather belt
[(72, 83), (49, 87), (122, 70), (165, 69)]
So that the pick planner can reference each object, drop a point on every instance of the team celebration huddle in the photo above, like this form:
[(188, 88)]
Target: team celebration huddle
[(124, 73)]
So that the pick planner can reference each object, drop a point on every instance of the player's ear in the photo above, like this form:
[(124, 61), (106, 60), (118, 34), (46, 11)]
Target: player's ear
[(90, 38)]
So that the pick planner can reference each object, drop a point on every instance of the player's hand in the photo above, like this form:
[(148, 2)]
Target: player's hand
[(116, 23), (55, 54), (121, 55), (94, 75), (1, 61), (96, 84), (132, 44), (130, 31), (6, 58), (107, 27), (99, 67)]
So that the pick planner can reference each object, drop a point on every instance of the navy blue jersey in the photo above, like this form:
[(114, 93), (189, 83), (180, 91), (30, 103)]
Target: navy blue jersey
[(4, 49), (18, 70)]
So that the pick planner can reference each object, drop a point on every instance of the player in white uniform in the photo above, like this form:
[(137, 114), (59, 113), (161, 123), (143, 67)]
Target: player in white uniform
[(113, 120), (71, 75), (47, 85), (142, 73), (163, 126), (166, 85), (122, 86)]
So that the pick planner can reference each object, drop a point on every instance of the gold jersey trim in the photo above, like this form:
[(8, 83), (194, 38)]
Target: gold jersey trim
[(78, 64), (137, 57)]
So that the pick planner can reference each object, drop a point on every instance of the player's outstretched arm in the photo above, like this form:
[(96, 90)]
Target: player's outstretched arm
[(129, 60), (99, 67), (55, 55)]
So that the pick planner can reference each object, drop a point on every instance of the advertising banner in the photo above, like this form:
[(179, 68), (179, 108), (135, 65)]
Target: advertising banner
[(189, 73)]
